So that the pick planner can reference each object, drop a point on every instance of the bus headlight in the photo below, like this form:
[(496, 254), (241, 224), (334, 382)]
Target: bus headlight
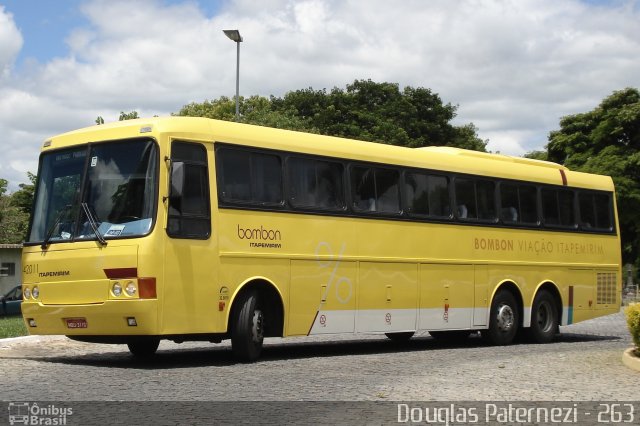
[(116, 289), (27, 293), (35, 293), (131, 288)]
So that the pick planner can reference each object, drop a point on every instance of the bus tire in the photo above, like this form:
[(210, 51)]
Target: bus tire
[(247, 333), (143, 348), (503, 319), (544, 318), (402, 336)]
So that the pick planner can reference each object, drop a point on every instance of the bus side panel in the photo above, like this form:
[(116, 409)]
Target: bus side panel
[(322, 298), (387, 295), (446, 296), (481, 296), (580, 295)]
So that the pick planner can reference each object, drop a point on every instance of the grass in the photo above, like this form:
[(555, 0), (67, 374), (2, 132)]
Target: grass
[(12, 327)]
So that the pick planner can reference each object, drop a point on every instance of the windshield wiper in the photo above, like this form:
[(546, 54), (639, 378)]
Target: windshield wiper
[(53, 226), (94, 223)]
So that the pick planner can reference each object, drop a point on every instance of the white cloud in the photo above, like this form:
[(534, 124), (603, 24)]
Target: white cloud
[(10, 42), (513, 67)]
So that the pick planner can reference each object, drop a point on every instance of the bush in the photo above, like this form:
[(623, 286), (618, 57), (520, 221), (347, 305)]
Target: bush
[(633, 321)]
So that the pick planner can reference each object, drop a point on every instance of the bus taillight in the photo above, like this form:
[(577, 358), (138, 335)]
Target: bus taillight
[(147, 288)]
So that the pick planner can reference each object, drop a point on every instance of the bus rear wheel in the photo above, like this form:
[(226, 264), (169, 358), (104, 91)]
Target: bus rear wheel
[(247, 333), (503, 319), (544, 318), (143, 348)]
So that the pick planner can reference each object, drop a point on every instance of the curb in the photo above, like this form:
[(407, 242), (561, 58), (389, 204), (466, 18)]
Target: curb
[(5, 343), (630, 360), (17, 339)]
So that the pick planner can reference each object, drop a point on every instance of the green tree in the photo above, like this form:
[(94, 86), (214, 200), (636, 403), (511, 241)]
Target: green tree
[(381, 112), (256, 110), (606, 141), (365, 110), (537, 155), (14, 212), (123, 116), (219, 109), (23, 198), (127, 115)]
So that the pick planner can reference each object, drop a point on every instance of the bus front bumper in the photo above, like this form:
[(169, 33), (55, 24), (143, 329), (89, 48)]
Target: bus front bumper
[(110, 318)]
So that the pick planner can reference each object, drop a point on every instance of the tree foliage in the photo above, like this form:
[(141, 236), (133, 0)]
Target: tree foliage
[(256, 110), (15, 210), (123, 116), (606, 141), (365, 110), (128, 115)]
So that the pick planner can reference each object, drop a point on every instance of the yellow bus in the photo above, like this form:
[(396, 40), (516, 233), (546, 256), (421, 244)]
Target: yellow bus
[(195, 229)]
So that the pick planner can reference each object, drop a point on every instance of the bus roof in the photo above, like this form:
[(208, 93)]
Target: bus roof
[(435, 158)]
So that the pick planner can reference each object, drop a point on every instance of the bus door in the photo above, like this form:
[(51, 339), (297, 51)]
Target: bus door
[(190, 254)]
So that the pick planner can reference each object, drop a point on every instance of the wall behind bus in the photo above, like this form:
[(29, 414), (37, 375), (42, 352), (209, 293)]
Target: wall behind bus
[(10, 266)]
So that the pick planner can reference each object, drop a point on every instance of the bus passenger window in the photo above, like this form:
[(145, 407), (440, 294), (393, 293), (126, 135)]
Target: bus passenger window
[(518, 203), (476, 199), (249, 177), (387, 193), (557, 207), (604, 217), (550, 207), (595, 211), (587, 211), (465, 199), (427, 195), (315, 184), (509, 203), (486, 196), (375, 190), (528, 197), (567, 210)]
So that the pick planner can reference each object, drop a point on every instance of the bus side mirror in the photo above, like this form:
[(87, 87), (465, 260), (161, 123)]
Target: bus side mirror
[(177, 181)]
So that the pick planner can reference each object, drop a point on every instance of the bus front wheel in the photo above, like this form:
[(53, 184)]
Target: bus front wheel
[(544, 318), (503, 319), (247, 332)]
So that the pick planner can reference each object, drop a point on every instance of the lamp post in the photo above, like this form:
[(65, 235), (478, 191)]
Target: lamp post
[(234, 35)]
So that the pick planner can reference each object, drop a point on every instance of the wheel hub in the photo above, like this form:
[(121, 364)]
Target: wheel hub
[(505, 318), (544, 317)]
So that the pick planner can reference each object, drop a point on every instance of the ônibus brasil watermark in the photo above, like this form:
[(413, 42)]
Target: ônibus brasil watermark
[(30, 413)]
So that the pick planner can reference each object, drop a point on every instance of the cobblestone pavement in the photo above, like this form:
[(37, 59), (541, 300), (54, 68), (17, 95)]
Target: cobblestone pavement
[(583, 364)]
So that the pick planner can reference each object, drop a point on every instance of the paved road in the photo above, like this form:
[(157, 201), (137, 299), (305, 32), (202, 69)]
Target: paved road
[(583, 364)]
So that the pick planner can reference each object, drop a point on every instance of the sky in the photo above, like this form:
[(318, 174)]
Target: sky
[(513, 67)]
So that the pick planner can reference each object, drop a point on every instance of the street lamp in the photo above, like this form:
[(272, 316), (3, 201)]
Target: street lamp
[(234, 35)]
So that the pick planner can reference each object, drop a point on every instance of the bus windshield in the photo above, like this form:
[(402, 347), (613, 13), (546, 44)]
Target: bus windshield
[(98, 191)]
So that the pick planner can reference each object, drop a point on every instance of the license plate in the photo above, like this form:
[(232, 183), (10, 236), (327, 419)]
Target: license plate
[(76, 323)]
